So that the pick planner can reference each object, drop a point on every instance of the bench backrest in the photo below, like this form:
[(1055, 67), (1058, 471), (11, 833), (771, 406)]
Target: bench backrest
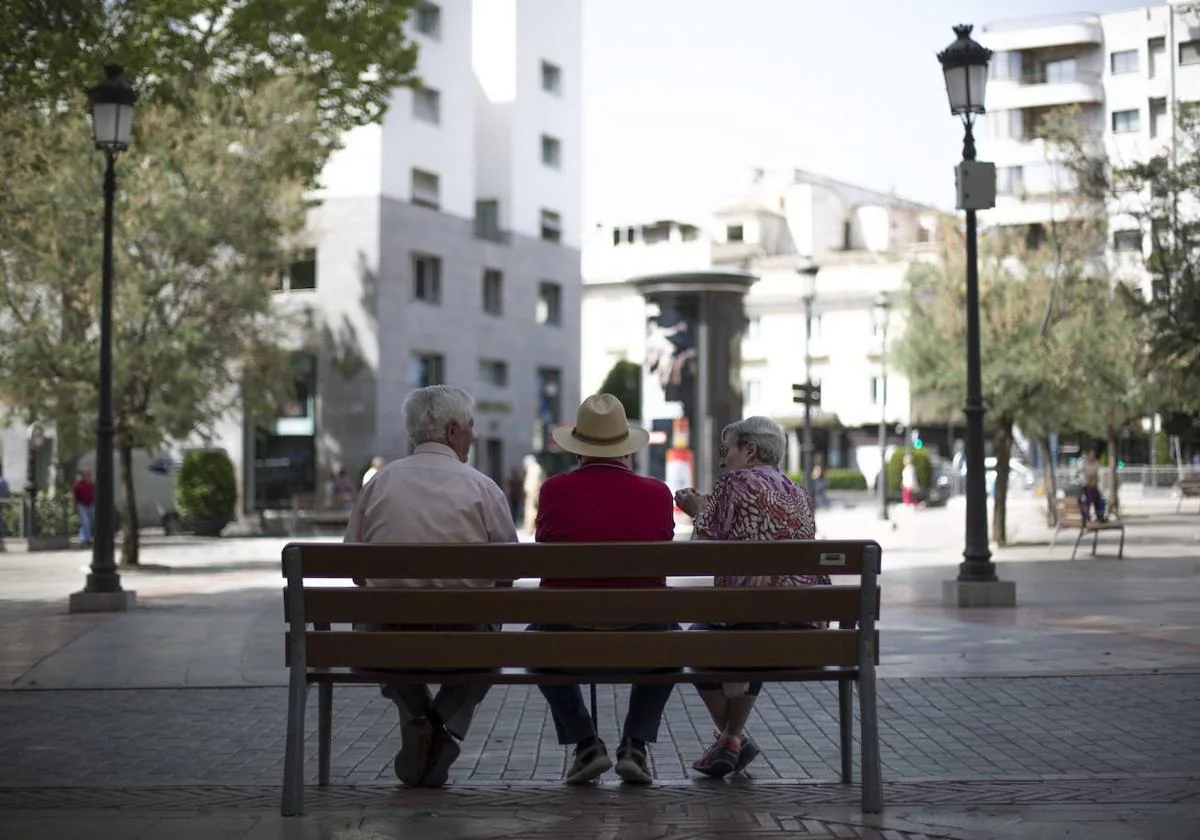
[(1069, 515), (852, 605)]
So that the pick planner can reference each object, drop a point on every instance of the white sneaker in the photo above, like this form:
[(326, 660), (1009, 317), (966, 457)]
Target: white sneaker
[(589, 764), (416, 738)]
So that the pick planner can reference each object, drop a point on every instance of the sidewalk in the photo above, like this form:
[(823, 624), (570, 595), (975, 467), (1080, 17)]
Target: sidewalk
[(1047, 720)]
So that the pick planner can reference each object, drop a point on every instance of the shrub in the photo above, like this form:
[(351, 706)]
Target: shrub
[(55, 516), (920, 460), (206, 488), (845, 480)]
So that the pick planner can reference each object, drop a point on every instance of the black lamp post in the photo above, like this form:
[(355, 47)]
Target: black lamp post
[(881, 314), (808, 276), (965, 64), (113, 102)]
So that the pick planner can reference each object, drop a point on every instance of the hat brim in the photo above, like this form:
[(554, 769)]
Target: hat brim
[(637, 440)]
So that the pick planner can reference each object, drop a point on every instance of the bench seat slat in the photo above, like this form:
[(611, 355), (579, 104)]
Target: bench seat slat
[(600, 649), (524, 676), (585, 606), (586, 560)]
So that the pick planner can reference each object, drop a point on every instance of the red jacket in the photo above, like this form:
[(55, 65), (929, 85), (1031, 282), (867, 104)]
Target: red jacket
[(605, 501), (84, 493)]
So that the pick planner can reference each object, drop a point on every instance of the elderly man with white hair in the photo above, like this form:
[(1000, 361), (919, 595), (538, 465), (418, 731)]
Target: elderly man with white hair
[(433, 496)]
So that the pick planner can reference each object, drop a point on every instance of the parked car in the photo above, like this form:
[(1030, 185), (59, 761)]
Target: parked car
[(153, 486), (939, 492)]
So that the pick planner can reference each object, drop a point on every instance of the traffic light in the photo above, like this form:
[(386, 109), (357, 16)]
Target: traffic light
[(918, 444), (915, 437)]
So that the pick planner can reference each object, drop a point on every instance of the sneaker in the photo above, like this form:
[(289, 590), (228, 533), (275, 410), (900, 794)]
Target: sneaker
[(750, 751), (416, 739), (589, 764), (632, 766), (443, 752), (720, 759)]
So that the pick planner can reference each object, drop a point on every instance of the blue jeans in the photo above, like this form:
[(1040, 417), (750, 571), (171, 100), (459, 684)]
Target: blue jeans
[(573, 721), (87, 514)]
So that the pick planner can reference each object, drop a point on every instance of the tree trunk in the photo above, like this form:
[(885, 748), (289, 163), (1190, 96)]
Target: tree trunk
[(1114, 496), (1050, 482), (1003, 440), (130, 527)]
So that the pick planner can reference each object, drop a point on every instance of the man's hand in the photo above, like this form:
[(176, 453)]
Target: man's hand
[(689, 501)]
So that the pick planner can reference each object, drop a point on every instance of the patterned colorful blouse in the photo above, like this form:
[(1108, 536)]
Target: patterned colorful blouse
[(759, 503)]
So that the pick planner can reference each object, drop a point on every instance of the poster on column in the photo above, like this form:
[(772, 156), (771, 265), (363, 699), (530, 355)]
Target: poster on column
[(670, 382)]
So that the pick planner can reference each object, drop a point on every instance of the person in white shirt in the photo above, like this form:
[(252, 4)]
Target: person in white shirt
[(376, 464), (910, 485), (433, 496)]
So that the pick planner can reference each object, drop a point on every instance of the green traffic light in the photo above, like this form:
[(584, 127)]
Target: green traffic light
[(918, 444)]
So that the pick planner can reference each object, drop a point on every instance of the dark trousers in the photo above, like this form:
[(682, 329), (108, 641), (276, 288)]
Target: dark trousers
[(573, 721), (1091, 503)]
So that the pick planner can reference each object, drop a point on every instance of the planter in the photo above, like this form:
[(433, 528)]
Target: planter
[(49, 544), (208, 527)]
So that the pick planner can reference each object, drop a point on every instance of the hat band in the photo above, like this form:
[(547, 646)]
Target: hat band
[(599, 441)]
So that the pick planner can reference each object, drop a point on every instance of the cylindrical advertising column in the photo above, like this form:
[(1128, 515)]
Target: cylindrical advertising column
[(691, 386)]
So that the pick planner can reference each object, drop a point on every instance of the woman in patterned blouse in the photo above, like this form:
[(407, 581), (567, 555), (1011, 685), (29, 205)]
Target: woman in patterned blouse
[(752, 500)]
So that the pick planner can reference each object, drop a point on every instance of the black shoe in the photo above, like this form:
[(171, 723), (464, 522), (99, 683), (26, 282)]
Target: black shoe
[(590, 764), (632, 766)]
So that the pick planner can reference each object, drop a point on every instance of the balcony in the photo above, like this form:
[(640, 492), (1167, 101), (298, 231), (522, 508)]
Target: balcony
[(1043, 31), (1039, 90)]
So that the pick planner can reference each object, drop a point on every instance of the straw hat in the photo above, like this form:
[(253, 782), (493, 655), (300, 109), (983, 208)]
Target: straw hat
[(601, 430)]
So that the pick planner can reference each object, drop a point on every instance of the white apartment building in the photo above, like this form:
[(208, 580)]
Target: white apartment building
[(863, 242), (445, 249), (1123, 70)]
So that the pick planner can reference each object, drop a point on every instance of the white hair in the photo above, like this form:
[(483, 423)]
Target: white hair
[(428, 411), (766, 434)]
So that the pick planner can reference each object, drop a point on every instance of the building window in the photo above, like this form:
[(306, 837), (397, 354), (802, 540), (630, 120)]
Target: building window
[(493, 372), (754, 329), (426, 369), (1127, 241), (1189, 52), (426, 189), (752, 393), (551, 151), (427, 278), (1060, 72), (876, 390), (487, 220), (549, 305), (549, 407), (1125, 61), (735, 233), (300, 274), (427, 105), (493, 291), (551, 226), (1157, 49), (1126, 121), (1159, 127), (551, 78), (429, 20)]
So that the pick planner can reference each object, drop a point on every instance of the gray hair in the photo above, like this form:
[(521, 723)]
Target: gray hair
[(766, 434), (428, 411)]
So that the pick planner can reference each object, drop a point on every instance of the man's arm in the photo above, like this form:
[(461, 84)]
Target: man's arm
[(354, 528), (497, 520)]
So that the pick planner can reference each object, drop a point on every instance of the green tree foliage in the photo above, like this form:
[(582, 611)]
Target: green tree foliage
[(207, 194), (349, 54), (624, 382), (206, 489)]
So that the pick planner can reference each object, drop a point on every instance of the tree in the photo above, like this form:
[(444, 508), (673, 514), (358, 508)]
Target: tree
[(351, 54), (624, 382), (208, 193)]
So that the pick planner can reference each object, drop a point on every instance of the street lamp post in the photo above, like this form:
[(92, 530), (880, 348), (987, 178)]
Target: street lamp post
[(808, 276), (965, 66), (881, 313), (113, 102)]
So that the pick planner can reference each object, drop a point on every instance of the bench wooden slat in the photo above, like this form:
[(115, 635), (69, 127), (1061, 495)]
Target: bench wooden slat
[(587, 560), (622, 651), (524, 676), (585, 606)]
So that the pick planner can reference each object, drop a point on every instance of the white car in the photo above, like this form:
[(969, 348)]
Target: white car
[(153, 486)]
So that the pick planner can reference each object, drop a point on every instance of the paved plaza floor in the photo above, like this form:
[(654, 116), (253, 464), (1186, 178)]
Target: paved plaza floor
[(1073, 715)]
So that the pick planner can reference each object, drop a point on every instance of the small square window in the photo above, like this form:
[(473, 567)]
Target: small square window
[(551, 151), (754, 328), (427, 278), (551, 78), (493, 291), (429, 20), (426, 369), (735, 233), (493, 372), (551, 226), (300, 274), (426, 189), (549, 305), (1124, 61), (1126, 121), (1189, 52), (1127, 241), (427, 105)]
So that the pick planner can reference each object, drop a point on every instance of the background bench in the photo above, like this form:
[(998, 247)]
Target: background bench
[(1189, 488), (318, 653), (1069, 516)]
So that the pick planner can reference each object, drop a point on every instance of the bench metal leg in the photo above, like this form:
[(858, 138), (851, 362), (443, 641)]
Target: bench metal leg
[(846, 724), (1075, 550), (324, 731), (293, 762), (1095, 540), (1121, 547), (872, 783), (595, 717)]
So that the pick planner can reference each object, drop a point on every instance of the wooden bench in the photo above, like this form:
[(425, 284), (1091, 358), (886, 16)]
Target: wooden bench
[(1069, 516), (318, 654), (1189, 488)]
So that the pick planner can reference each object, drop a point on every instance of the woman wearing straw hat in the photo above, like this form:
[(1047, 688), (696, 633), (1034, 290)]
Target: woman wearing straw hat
[(605, 501)]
